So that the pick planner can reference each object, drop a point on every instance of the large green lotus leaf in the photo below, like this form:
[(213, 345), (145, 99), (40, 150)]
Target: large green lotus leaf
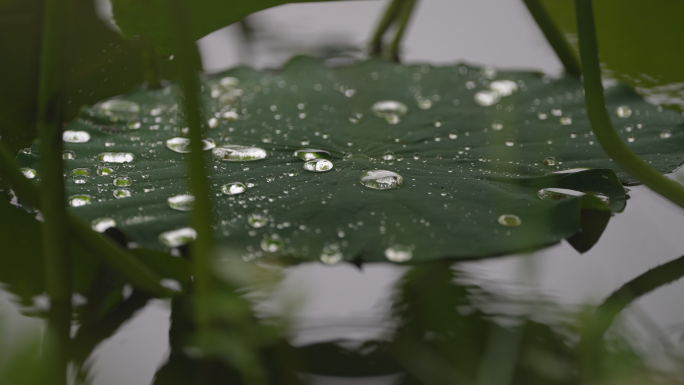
[(152, 18), (464, 165)]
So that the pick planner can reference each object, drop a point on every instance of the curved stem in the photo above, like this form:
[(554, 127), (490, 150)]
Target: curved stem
[(387, 19), (600, 119), (199, 181), (604, 315), (555, 37), (402, 19), (51, 115)]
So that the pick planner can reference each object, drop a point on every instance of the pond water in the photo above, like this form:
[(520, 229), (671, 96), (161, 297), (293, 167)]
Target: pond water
[(352, 305)]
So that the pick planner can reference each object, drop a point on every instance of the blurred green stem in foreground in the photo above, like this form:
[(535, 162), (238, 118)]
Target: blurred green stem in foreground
[(51, 116), (555, 37), (202, 248)]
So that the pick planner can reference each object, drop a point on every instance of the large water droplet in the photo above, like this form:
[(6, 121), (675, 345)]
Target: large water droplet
[(236, 153), (399, 253), (182, 145), (382, 179), (233, 188), (318, 165), (623, 111), (180, 237), (664, 134), (504, 87), (122, 193), (510, 142), (251, 182), (497, 125), (29, 173), (183, 202), (116, 157), (550, 161), (80, 200), (565, 120), (102, 224), (119, 109), (310, 154), (509, 220), (487, 98), (257, 220), (453, 134), (70, 136)]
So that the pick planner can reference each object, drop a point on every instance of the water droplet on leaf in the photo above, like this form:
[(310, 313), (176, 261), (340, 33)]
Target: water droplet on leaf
[(382, 179), (70, 136), (183, 202), (236, 153), (509, 220), (399, 253), (233, 188), (318, 165)]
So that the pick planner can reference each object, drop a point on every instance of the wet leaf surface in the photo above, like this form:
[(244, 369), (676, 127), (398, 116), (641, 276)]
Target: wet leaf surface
[(469, 175)]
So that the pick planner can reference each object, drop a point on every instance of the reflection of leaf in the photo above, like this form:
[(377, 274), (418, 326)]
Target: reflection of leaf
[(454, 190), (462, 325), (638, 42), (151, 18)]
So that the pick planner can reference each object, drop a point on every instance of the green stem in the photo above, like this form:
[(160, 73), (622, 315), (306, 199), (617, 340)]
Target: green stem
[(201, 251), (402, 19), (150, 64), (51, 116), (600, 119), (387, 19), (555, 37), (605, 314), (125, 263)]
